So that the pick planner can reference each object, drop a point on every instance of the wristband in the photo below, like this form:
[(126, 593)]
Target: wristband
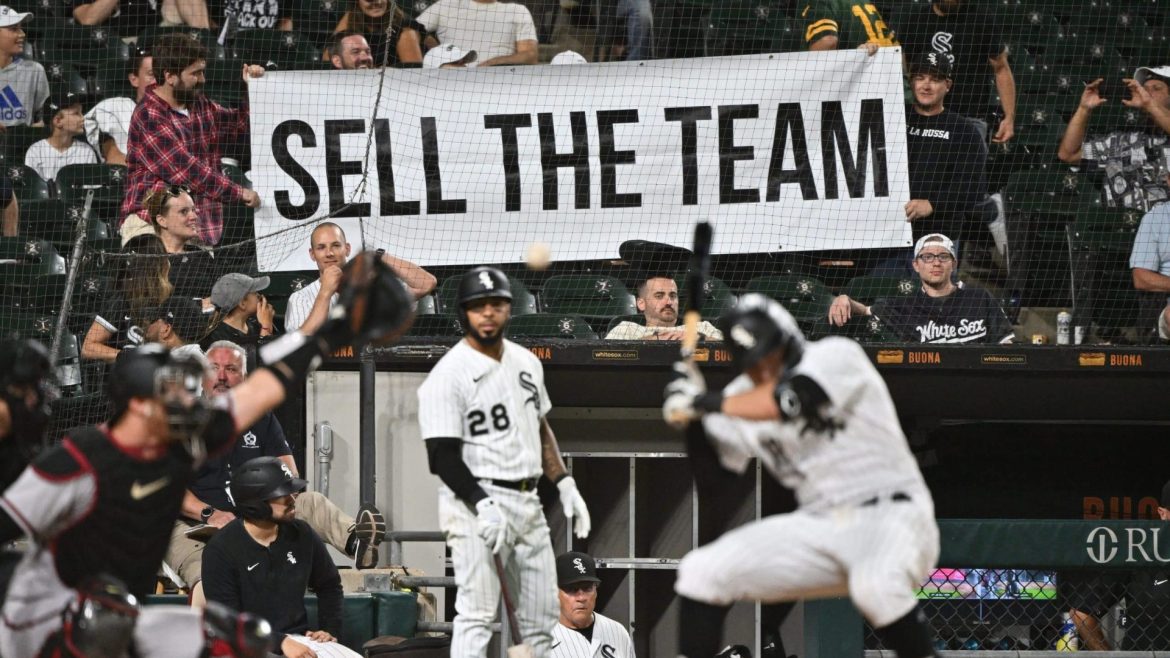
[(710, 402)]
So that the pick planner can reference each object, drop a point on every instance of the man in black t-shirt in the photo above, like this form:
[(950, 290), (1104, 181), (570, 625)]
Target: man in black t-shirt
[(947, 158), (974, 38), (941, 311)]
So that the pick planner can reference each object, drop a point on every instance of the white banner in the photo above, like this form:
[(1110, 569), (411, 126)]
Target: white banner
[(785, 152)]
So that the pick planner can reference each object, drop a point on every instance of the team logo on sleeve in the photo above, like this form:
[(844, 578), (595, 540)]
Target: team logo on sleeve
[(529, 385)]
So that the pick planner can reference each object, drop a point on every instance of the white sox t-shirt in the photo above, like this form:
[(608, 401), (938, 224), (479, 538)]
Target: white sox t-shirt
[(494, 406), (610, 640)]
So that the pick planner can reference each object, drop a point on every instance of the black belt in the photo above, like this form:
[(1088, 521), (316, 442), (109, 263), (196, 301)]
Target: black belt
[(896, 497), (527, 484)]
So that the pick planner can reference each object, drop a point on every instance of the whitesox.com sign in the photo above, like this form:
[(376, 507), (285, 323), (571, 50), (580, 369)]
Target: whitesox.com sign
[(789, 152)]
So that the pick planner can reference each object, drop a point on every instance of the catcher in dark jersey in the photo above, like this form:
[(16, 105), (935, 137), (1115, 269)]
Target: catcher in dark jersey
[(104, 501)]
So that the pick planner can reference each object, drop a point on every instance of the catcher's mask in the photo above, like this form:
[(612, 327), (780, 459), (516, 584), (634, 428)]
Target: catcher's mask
[(150, 371)]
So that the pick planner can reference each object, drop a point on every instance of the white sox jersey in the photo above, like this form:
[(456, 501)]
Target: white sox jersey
[(868, 452), (495, 407), (610, 640)]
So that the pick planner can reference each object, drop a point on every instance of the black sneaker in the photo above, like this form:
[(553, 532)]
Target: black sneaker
[(369, 529)]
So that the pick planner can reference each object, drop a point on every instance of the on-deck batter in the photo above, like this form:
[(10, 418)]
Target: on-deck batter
[(482, 413), (819, 418)]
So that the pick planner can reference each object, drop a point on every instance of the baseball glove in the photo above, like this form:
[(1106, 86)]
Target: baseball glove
[(373, 305)]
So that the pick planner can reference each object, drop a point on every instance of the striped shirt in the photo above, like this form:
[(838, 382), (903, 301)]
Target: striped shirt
[(300, 303), (609, 640)]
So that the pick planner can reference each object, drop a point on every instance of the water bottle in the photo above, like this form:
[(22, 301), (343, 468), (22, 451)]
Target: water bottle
[(1063, 328), (1068, 640)]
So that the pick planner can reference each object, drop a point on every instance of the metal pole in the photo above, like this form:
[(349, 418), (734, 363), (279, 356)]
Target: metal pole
[(366, 450), (71, 278)]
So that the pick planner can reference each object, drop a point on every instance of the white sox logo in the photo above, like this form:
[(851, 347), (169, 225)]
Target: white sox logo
[(607, 651), (578, 565), (942, 41), (527, 384), (485, 280)]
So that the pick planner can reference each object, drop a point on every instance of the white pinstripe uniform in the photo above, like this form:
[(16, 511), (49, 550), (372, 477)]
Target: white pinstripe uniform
[(326, 649), (300, 303), (496, 409), (610, 640), (855, 532)]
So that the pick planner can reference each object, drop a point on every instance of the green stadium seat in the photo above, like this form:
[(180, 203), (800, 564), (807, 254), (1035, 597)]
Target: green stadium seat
[(863, 329), (1039, 127), (523, 301), (717, 296), (16, 140), (284, 284), (1037, 31), (316, 19), (868, 289), (590, 295), (148, 36), (56, 222), (286, 50), (224, 81), (107, 183), (1053, 190), (806, 298), (27, 183), (86, 47), (1100, 241), (16, 323), (745, 27), (64, 78), (435, 326), (551, 325)]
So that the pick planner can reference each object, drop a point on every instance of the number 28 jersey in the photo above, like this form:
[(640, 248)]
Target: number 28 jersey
[(495, 407)]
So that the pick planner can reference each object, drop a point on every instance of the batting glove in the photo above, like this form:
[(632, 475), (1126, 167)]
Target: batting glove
[(574, 506), (688, 384), (492, 527)]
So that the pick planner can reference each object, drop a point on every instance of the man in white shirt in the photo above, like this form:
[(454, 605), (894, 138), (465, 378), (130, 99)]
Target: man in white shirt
[(309, 307), (107, 125), (502, 33), (61, 147), (657, 300)]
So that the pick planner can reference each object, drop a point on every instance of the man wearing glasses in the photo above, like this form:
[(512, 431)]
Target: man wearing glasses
[(940, 311), (581, 632)]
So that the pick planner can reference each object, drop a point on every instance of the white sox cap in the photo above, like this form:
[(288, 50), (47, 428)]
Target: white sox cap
[(568, 57), (450, 53), (1146, 72), (934, 239), (10, 17)]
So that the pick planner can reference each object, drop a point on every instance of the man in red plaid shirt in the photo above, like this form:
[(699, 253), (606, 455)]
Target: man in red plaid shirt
[(175, 139)]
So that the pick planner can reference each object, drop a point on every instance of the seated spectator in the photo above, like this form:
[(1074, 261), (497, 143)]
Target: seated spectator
[(1150, 261), (946, 155), (172, 213), (373, 20), (25, 85), (242, 315), (941, 311), (10, 213), (582, 631), (1134, 161), (175, 138), (107, 124), (177, 325), (348, 51), (657, 300), (142, 285), (501, 32), (249, 15), (64, 123), (308, 307), (449, 56), (265, 561), (206, 502), (130, 17)]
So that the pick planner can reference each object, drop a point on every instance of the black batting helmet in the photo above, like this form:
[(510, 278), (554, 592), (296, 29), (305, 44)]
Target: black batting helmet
[(758, 325), (260, 480), (24, 365), (482, 283)]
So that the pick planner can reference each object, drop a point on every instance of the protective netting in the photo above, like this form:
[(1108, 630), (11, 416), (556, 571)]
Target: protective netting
[(809, 165)]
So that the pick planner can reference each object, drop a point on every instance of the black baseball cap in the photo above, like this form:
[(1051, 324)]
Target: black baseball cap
[(574, 567), (185, 315), (940, 64)]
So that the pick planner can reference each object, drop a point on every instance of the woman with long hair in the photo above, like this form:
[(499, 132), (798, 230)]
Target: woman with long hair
[(142, 285), (372, 19), (171, 211)]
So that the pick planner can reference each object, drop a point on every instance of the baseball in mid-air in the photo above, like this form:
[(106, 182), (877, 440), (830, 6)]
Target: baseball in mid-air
[(538, 256)]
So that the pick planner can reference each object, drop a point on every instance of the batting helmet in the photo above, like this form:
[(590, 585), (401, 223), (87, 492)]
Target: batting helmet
[(758, 325), (260, 480), (24, 365), (483, 282)]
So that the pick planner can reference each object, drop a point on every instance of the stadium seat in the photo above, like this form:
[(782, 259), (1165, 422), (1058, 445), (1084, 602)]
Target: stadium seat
[(589, 295), (316, 19), (426, 305), (86, 47), (523, 301), (1037, 31), (717, 297), (64, 78), (868, 289), (224, 81), (435, 326), (56, 222), (808, 299), (24, 259), (285, 50), (1053, 190), (16, 140), (284, 284), (27, 184), (1100, 241), (1039, 127), (551, 325), (15, 323), (746, 27), (106, 182)]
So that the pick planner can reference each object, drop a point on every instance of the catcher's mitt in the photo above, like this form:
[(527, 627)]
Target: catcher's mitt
[(373, 305)]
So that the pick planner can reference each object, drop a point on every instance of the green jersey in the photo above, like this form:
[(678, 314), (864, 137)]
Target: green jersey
[(853, 22)]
